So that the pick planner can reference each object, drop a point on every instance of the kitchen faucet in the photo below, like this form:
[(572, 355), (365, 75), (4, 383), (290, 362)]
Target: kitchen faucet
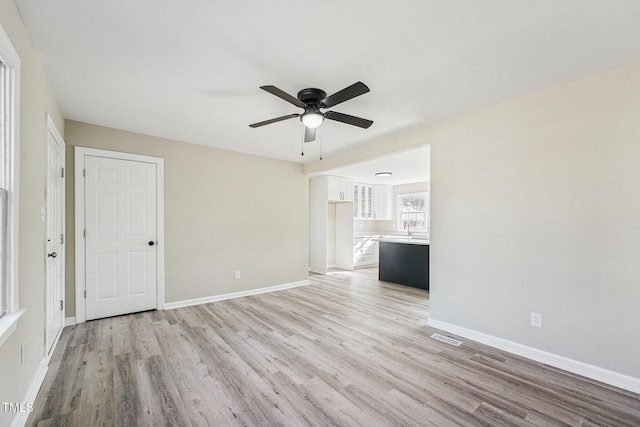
[(407, 226)]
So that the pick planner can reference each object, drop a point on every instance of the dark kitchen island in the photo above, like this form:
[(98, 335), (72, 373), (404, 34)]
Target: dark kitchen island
[(404, 261)]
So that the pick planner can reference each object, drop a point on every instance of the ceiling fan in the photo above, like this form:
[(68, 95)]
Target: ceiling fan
[(312, 100)]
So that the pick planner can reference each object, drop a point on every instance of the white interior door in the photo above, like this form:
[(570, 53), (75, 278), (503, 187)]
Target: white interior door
[(54, 294), (121, 234)]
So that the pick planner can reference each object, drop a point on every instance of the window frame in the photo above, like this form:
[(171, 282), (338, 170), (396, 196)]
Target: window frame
[(10, 146), (398, 211), (3, 247)]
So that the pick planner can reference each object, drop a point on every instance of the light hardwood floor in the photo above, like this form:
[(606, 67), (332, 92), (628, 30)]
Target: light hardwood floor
[(346, 350)]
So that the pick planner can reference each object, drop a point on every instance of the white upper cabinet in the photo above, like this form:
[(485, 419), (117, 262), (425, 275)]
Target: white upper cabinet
[(382, 202), (372, 201), (363, 201), (346, 185), (340, 189)]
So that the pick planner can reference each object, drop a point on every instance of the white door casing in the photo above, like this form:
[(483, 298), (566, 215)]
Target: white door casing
[(120, 206), (120, 262), (54, 245)]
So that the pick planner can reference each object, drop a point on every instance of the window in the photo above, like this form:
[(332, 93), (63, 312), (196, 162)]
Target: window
[(3, 245), (9, 173), (3, 194), (412, 211)]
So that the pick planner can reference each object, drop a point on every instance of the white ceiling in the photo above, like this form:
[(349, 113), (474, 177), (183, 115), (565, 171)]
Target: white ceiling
[(190, 70), (407, 167)]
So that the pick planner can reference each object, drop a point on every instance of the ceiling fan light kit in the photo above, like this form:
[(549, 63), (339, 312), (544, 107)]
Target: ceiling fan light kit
[(312, 100), (312, 118)]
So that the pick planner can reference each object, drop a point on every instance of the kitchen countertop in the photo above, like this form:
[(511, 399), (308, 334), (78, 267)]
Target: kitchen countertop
[(405, 240)]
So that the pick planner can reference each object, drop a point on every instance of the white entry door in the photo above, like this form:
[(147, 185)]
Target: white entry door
[(54, 293), (121, 236)]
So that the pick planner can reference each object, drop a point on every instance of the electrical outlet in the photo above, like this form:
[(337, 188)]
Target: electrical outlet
[(237, 275), (536, 320), (23, 353)]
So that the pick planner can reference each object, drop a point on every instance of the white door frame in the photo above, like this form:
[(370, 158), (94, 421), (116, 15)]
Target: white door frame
[(80, 153), (53, 130)]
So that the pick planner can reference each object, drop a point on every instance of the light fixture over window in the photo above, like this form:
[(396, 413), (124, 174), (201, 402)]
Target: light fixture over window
[(312, 118), (383, 174)]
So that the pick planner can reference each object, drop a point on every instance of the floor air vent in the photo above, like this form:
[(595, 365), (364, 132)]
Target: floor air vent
[(446, 339)]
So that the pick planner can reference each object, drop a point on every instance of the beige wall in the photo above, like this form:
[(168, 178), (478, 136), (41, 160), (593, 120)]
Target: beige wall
[(36, 100), (224, 212), (535, 206)]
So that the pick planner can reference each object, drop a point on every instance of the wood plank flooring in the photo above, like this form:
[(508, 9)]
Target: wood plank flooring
[(346, 350)]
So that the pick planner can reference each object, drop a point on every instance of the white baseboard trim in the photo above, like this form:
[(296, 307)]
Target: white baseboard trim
[(70, 321), (597, 373), (214, 298), (36, 382)]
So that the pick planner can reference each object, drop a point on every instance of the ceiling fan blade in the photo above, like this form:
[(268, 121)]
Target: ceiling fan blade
[(284, 95), (277, 119), (346, 118), (345, 94), (309, 134)]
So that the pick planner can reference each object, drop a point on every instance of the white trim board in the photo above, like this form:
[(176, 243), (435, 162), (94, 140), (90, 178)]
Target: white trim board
[(70, 321), (36, 382), (80, 153), (48, 356), (20, 419), (593, 372), (8, 324), (214, 298), (11, 60)]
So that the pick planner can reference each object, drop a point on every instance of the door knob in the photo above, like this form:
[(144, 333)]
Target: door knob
[(151, 243), (52, 255)]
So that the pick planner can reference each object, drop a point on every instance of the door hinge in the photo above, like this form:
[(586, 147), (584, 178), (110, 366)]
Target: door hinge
[(62, 172), (84, 172), (61, 305), (62, 239), (84, 233), (85, 293)]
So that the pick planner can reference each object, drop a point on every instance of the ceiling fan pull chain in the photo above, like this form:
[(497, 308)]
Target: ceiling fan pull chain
[(321, 139), (302, 144)]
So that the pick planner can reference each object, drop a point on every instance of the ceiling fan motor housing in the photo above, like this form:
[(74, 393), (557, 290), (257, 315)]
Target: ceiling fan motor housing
[(312, 97)]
